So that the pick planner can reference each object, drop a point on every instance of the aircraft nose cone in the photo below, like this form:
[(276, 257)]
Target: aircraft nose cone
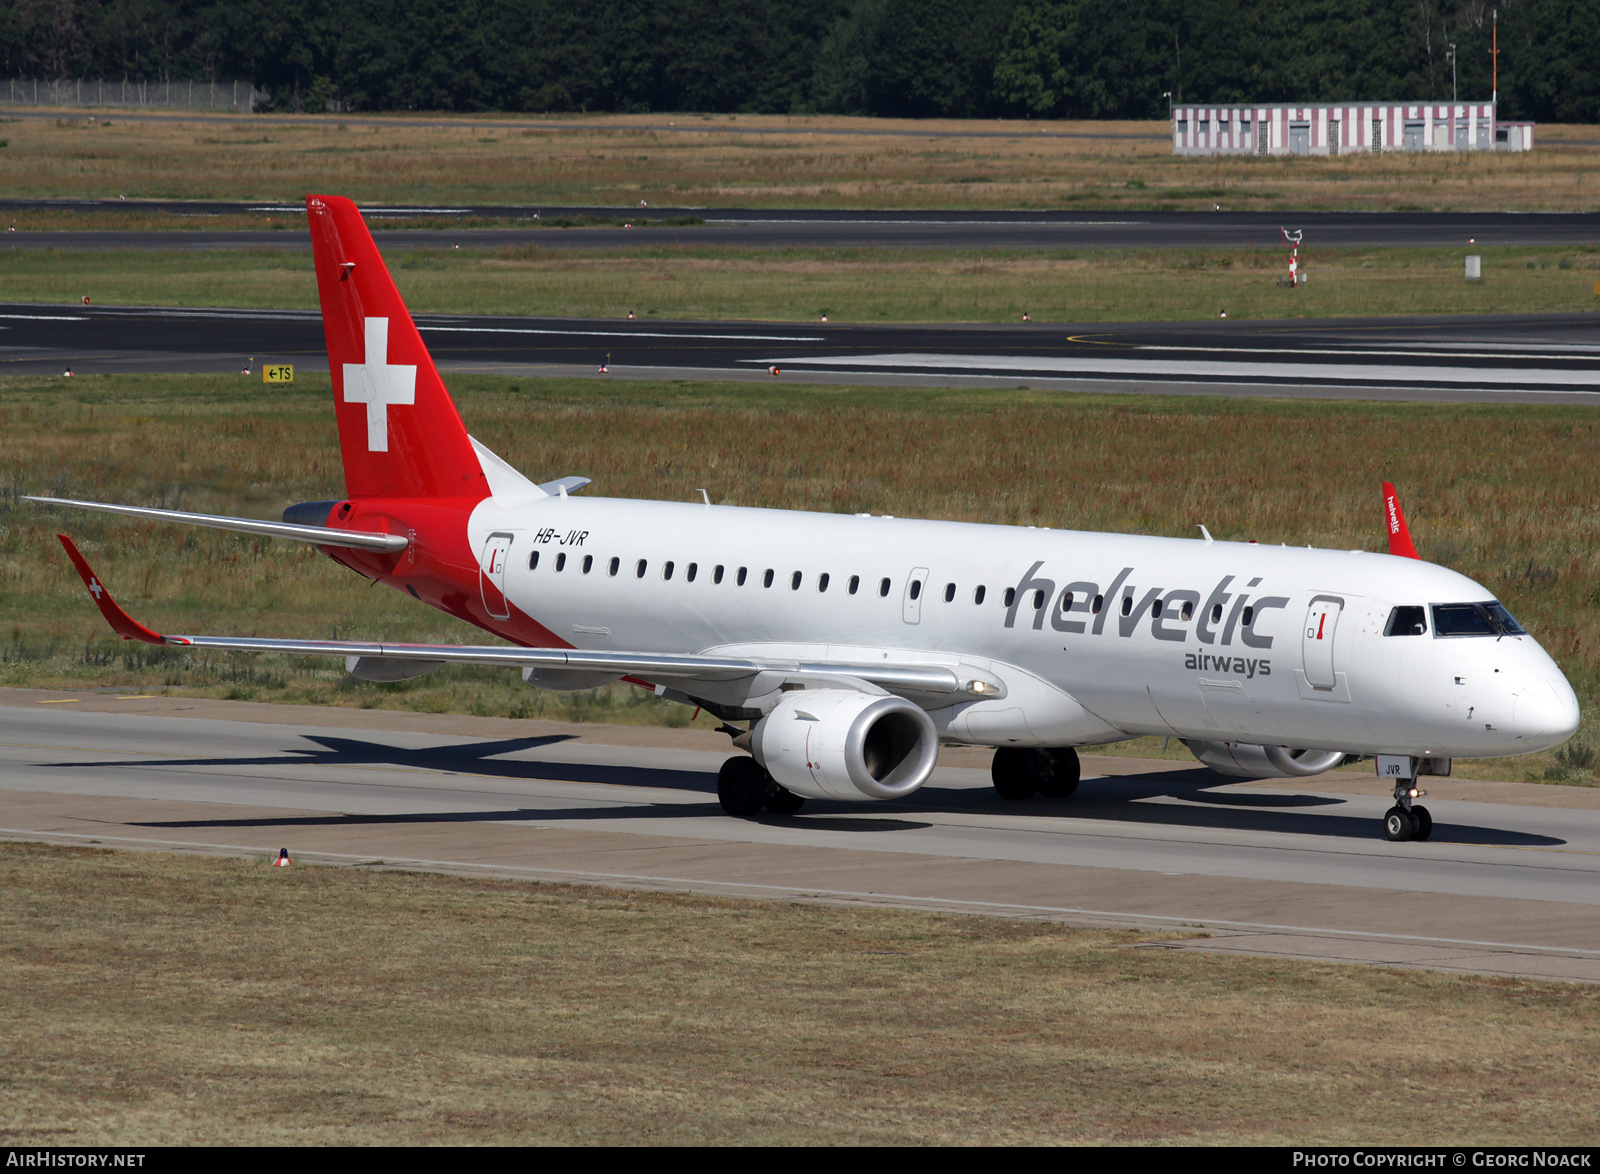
[(1546, 712)]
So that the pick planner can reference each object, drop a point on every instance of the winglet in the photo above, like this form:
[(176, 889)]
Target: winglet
[(1395, 523), (121, 622)]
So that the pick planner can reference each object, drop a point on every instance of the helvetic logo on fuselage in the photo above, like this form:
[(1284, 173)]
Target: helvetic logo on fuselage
[(1224, 615)]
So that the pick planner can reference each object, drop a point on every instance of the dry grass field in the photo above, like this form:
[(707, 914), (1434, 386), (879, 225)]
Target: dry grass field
[(746, 160), (858, 285), (1505, 494), (169, 1000)]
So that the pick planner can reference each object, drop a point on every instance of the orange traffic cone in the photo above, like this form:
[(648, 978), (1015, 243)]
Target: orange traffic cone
[(283, 860)]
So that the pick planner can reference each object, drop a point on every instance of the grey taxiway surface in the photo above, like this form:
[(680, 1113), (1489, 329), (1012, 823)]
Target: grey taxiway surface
[(1510, 883), (1552, 358)]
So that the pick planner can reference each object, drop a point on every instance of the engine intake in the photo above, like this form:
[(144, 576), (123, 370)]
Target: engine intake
[(837, 744)]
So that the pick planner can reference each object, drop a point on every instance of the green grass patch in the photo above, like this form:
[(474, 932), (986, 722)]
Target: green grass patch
[(619, 160), (168, 1000), (849, 285)]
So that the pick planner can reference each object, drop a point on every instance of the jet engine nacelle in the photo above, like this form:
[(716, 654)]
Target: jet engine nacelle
[(1247, 761), (839, 744)]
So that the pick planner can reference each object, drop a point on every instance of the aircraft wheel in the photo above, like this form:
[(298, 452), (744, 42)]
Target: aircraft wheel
[(1398, 824), (1424, 823), (742, 786), (1065, 770), (783, 802), (1018, 773)]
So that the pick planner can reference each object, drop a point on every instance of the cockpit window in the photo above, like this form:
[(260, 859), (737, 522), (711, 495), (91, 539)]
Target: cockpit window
[(1474, 619), (1407, 621)]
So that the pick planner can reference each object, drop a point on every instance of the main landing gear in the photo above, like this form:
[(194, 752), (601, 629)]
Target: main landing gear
[(1022, 774), (744, 787)]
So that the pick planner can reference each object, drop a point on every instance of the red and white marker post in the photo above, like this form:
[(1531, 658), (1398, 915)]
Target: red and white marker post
[(1292, 240)]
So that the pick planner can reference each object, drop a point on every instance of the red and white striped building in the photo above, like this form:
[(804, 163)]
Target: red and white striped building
[(1344, 128)]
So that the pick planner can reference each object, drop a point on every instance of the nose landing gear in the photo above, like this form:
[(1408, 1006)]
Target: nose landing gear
[(1407, 820)]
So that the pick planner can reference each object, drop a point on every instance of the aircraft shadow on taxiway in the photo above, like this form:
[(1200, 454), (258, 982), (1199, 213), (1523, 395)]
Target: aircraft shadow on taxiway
[(1112, 799)]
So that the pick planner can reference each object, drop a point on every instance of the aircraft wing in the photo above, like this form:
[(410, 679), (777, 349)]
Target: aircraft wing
[(658, 667)]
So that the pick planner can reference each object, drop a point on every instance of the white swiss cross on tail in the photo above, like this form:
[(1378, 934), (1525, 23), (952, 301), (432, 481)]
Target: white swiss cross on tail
[(378, 384)]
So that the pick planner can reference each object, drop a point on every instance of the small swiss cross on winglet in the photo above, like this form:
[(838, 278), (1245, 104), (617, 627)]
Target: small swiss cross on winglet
[(121, 622)]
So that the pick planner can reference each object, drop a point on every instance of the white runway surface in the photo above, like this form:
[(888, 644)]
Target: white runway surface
[(1297, 869)]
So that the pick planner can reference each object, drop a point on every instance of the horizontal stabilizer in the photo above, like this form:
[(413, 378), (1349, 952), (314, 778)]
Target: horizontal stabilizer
[(320, 535)]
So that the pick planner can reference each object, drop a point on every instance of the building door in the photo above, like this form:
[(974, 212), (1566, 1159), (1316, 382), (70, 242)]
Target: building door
[(1414, 132), (1335, 127), (1299, 138)]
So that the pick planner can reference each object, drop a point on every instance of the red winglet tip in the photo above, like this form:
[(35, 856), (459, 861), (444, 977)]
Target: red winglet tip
[(1394, 524), (121, 622)]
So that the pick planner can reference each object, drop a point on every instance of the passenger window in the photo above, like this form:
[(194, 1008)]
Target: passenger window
[(822, 581), (1038, 601), (916, 588), (883, 588), (1010, 596), (588, 563), (766, 580), (616, 565), (1099, 602), (1407, 621), (666, 570), (533, 561), (949, 592), (794, 581), (1216, 613), (1187, 613), (561, 562), (689, 574), (855, 584), (977, 595), (1249, 616), (1066, 601), (716, 575), (1127, 605), (739, 579), (1155, 609), (639, 569)]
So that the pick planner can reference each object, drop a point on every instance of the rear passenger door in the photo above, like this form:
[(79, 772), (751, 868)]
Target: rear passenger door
[(916, 588)]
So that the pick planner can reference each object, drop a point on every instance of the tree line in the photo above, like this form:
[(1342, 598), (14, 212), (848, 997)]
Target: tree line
[(897, 58)]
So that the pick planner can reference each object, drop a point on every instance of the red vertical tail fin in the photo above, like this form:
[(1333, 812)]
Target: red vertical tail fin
[(399, 431), (1395, 523)]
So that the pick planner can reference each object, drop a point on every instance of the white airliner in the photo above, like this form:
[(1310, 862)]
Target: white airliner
[(854, 646)]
